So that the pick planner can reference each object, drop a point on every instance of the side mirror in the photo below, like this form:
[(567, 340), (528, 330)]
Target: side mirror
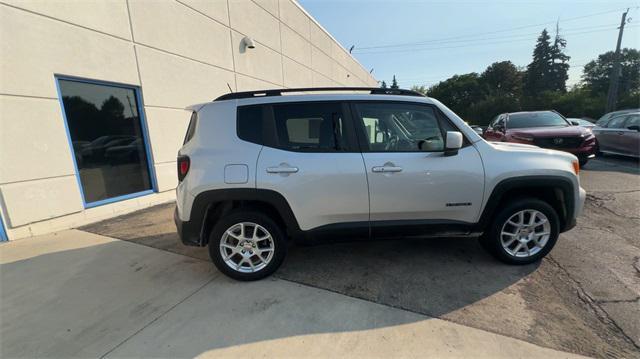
[(453, 143), (634, 128), (575, 123)]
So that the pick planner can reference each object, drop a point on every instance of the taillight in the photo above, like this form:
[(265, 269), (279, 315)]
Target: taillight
[(183, 167)]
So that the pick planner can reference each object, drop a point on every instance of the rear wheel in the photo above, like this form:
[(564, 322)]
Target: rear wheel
[(523, 232), (247, 245)]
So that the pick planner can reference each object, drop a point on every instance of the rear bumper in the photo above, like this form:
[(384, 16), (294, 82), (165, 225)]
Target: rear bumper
[(188, 231)]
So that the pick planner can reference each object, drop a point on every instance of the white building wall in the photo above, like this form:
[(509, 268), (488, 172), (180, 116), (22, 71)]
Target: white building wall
[(179, 52)]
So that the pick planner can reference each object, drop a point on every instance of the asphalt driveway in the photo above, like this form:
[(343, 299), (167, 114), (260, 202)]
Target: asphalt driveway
[(583, 298)]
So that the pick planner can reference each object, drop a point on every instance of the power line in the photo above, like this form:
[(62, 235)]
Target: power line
[(483, 33), (476, 43), (527, 35)]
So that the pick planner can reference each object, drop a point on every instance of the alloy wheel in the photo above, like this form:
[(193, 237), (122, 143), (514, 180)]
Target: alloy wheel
[(247, 247), (525, 233)]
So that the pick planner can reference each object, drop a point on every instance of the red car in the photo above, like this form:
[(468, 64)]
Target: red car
[(546, 129)]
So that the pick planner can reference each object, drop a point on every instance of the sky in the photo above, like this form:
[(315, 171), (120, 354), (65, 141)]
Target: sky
[(424, 42)]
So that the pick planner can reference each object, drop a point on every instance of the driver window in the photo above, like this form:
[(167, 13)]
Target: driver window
[(395, 127), (634, 120), (617, 122)]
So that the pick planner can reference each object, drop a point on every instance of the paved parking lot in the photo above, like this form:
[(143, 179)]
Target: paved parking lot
[(79, 294), (583, 298)]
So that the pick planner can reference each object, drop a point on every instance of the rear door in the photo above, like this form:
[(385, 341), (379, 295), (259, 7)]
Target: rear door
[(416, 191), (314, 162)]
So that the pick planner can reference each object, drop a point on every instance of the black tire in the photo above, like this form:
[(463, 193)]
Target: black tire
[(243, 215), (491, 240)]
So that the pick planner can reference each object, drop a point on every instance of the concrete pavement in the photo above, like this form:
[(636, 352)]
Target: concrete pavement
[(583, 298), (77, 294)]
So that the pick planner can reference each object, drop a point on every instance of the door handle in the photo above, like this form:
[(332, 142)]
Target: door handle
[(282, 169), (621, 132), (386, 169)]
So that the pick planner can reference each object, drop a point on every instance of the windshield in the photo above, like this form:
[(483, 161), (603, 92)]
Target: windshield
[(584, 122), (535, 119)]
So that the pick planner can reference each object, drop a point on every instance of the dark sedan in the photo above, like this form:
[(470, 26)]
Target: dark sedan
[(544, 129)]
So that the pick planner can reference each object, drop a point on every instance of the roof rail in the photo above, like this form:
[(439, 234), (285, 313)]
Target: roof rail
[(279, 92)]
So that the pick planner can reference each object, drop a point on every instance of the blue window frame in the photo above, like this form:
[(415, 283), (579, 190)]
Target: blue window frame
[(108, 139), (3, 233)]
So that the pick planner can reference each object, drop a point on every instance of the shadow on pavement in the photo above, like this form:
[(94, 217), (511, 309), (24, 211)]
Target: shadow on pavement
[(95, 297), (429, 276), (614, 163), (453, 279)]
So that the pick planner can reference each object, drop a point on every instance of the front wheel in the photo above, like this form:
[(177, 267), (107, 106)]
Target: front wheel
[(523, 232), (247, 245)]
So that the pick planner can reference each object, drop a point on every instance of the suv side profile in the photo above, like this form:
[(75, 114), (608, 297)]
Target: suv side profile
[(260, 169)]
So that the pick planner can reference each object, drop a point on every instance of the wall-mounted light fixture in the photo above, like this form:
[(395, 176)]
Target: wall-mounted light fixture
[(247, 43)]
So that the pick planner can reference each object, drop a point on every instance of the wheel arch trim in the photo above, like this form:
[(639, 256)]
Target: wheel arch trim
[(564, 184), (204, 202)]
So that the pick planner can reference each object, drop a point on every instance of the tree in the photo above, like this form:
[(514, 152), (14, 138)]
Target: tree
[(548, 71), (502, 79), (596, 73), (113, 108), (394, 83), (559, 65), (383, 85), (421, 89), (458, 92)]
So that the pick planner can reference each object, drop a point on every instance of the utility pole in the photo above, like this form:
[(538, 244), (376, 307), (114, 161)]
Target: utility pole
[(612, 96)]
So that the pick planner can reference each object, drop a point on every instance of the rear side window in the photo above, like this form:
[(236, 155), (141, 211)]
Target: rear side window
[(313, 127), (251, 123), (191, 130)]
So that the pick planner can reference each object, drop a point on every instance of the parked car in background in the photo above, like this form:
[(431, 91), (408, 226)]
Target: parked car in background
[(479, 130), (125, 153), (620, 135), (546, 129), (581, 122), (606, 117)]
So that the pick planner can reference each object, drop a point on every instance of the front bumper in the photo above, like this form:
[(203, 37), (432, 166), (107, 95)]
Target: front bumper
[(579, 206), (582, 197), (188, 232), (586, 149)]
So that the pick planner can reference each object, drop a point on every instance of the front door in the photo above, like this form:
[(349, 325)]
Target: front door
[(630, 141), (316, 165), (610, 138), (414, 188)]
